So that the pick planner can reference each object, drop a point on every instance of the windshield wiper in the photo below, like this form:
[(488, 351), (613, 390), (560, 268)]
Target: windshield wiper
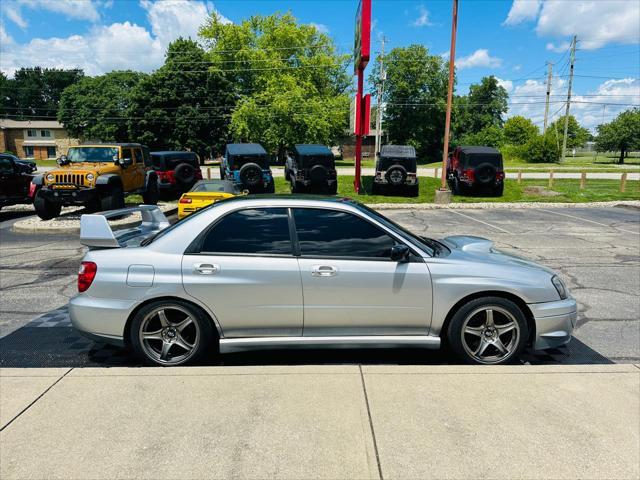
[(436, 246)]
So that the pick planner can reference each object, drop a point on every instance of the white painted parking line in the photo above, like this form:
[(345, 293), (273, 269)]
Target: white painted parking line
[(590, 221), (480, 221)]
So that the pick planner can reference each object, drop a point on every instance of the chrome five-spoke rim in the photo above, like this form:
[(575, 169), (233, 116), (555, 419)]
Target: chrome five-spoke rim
[(490, 334), (169, 335)]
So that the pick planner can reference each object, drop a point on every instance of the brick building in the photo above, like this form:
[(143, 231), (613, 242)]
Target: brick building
[(34, 139)]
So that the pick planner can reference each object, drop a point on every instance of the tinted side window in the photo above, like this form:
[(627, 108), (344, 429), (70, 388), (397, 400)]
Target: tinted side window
[(126, 153), (258, 231), (328, 233), (6, 165), (137, 153)]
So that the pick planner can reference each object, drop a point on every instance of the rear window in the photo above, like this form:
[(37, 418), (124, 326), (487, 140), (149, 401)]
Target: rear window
[(170, 162), (220, 186), (476, 159)]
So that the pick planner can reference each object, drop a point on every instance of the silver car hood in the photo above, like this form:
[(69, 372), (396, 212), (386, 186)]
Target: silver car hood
[(482, 250)]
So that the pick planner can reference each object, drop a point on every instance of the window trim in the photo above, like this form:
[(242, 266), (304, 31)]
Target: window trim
[(195, 247)]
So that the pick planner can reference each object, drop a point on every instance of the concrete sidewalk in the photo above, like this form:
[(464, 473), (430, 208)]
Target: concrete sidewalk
[(321, 422)]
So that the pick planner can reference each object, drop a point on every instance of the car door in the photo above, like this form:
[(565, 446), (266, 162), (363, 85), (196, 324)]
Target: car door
[(138, 167), (350, 284), (244, 270), (9, 181), (128, 174)]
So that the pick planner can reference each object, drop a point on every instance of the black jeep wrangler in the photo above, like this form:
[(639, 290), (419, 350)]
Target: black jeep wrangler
[(396, 171), (475, 169), (311, 168)]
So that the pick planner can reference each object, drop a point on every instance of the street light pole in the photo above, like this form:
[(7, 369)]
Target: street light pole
[(447, 125)]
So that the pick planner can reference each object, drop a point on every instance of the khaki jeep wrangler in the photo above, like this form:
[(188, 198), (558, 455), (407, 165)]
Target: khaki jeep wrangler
[(96, 176)]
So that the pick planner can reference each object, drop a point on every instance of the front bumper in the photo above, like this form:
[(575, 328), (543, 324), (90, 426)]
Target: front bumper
[(555, 321), (70, 196), (100, 318)]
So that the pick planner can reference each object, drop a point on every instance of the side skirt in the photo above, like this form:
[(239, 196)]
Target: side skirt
[(228, 345)]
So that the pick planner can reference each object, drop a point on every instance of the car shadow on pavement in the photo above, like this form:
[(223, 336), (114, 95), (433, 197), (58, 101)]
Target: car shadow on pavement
[(52, 343)]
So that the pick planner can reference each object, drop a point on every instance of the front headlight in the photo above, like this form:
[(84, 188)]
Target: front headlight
[(51, 177), (560, 288), (90, 177)]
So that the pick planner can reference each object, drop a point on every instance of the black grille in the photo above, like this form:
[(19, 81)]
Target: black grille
[(72, 178)]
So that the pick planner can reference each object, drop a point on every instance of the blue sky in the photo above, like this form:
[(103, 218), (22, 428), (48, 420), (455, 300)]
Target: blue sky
[(509, 39)]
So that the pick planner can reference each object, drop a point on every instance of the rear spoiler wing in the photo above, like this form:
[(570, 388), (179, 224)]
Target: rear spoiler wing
[(95, 231)]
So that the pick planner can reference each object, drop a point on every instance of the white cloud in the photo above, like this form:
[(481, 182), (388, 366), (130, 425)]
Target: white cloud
[(423, 17), (523, 11), (558, 48), (507, 84), (322, 28), (479, 58), (5, 38), (528, 99), (595, 22), (117, 46), (76, 9)]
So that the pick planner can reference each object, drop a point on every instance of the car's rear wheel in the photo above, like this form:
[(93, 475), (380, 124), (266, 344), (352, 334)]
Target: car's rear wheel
[(112, 199), (151, 194), (45, 209), (488, 331), (270, 188), (499, 190), (170, 333)]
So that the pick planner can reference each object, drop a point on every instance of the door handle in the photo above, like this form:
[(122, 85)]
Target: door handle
[(323, 271), (206, 268)]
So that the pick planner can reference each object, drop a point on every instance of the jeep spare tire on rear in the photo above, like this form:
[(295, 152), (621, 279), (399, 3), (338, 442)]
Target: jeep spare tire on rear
[(251, 174), (185, 174)]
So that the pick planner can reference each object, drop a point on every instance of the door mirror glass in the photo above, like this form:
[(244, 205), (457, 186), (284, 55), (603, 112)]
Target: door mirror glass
[(399, 253), (125, 162)]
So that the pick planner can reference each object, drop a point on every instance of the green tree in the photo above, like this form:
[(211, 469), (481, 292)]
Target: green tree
[(577, 135), (622, 134), (35, 92), (490, 136), (415, 93), (291, 85), (483, 107), (541, 149), (519, 130), (185, 104), (96, 108)]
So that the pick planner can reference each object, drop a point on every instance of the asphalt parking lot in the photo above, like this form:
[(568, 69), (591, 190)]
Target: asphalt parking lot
[(597, 250)]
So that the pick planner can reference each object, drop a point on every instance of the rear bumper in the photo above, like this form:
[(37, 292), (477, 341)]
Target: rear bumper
[(100, 318), (555, 322), (76, 196)]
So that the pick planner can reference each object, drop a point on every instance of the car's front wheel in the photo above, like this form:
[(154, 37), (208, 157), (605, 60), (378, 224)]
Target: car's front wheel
[(489, 331), (170, 333), (45, 209)]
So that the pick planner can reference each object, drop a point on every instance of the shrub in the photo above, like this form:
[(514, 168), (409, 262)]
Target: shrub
[(541, 149)]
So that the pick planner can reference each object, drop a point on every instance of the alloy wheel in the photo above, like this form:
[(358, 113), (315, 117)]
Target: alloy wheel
[(169, 335), (490, 334)]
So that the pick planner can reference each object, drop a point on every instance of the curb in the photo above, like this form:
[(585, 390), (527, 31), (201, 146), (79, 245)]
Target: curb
[(20, 227), (497, 205)]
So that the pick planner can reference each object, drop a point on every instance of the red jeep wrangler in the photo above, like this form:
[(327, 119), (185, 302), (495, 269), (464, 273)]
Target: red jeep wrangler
[(177, 171), (476, 169)]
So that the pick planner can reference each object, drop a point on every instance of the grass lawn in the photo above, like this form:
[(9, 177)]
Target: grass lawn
[(595, 191)]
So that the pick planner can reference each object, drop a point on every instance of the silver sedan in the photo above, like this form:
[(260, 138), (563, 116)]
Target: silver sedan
[(276, 272)]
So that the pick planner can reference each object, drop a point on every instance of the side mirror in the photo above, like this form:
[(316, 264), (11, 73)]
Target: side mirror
[(399, 253), (125, 162), (62, 160)]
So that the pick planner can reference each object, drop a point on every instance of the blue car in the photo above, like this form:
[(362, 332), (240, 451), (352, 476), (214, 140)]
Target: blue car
[(247, 165)]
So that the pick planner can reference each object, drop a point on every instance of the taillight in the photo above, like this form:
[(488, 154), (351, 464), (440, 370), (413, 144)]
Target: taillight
[(32, 190), (185, 200), (468, 174), (499, 175), (86, 274)]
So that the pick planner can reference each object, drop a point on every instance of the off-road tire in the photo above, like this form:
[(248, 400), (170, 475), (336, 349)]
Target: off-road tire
[(151, 195), (332, 189), (45, 209), (394, 179), (412, 190), (251, 175), (112, 199), (270, 188), (318, 175), (485, 173), (454, 330), (498, 191), (185, 175)]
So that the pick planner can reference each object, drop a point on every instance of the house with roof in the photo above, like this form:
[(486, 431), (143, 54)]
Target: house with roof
[(34, 139)]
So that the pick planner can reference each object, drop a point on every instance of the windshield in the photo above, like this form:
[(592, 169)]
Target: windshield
[(92, 154), (427, 244), (214, 186)]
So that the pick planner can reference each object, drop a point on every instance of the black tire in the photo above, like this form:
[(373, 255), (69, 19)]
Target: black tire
[(471, 317), (332, 189), (151, 195), (185, 175), (396, 175), (221, 173), (251, 175), (318, 175), (270, 188), (485, 173), (287, 174), (455, 186), (498, 190), (112, 199), (376, 189), (413, 190), (199, 332), (45, 209)]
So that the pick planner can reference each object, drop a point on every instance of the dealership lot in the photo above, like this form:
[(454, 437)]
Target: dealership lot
[(596, 249)]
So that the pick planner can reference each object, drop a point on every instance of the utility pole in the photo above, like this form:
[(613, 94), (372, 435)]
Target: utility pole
[(383, 77), (443, 194), (546, 106), (566, 115)]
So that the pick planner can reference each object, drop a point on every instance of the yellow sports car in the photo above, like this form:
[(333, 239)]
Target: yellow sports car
[(204, 193)]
